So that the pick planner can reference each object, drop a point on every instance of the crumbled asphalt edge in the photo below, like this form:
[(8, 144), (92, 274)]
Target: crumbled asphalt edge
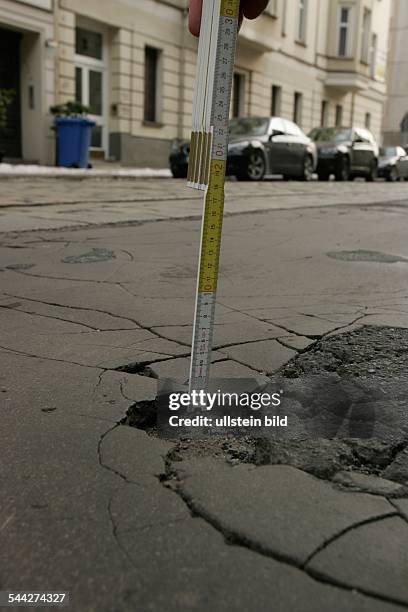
[(368, 353)]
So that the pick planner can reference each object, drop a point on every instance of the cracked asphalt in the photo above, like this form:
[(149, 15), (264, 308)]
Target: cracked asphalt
[(96, 303)]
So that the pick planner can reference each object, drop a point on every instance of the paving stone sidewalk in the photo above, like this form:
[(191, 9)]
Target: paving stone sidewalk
[(93, 315)]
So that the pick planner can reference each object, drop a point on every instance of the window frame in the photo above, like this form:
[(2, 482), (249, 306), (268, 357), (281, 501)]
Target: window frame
[(338, 115), (297, 108), (276, 100), (349, 32), (157, 107), (324, 112), (367, 120), (302, 19), (366, 36), (241, 76), (87, 64), (373, 54)]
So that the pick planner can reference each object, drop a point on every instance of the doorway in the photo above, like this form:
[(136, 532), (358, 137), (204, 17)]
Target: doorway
[(10, 135)]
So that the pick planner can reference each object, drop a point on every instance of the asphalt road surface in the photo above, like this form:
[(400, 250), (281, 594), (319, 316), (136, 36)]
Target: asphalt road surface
[(96, 303)]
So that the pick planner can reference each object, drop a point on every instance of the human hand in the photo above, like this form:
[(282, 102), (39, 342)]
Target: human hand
[(249, 9)]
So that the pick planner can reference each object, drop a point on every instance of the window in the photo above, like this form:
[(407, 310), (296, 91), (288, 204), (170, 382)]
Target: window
[(344, 32), (302, 19), (283, 25), (88, 43), (297, 107), (367, 120), (91, 78), (276, 100), (78, 84), (324, 113), (339, 115), (365, 37), (238, 93), (373, 56), (151, 84)]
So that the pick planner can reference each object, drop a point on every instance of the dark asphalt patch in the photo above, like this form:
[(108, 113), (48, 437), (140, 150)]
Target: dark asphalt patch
[(93, 256), (367, 256), (371, 360)]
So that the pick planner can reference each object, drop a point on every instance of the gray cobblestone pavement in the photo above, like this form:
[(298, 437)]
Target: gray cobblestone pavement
[(97, 298)]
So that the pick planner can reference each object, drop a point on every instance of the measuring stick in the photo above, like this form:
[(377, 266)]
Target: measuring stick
[(207, 165)]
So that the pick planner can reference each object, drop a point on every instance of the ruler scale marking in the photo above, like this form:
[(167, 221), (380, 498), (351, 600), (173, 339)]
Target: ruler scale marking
[(208, 160)]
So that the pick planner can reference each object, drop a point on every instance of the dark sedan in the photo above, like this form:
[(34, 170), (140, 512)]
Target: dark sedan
[(260, 146), (346, 152), (393, 163)]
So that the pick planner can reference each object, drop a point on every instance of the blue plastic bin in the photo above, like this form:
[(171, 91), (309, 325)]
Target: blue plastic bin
[(74, 139)]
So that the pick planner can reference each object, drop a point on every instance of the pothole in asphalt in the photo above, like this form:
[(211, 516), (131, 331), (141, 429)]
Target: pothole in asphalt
[(371, 366), (369, 256)]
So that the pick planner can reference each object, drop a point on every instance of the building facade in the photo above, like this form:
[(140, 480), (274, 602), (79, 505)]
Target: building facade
[(396, 113), (133, 63)]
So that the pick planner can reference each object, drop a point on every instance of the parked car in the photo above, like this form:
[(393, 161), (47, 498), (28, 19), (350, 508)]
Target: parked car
[(260, 146), (393, 163), (346, 152)]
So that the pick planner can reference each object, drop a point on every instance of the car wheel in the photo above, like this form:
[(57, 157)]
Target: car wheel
[(392, 175), (372, 175), (179, 173), (343, 170), (307, 173), (256, 166), (323, 176)]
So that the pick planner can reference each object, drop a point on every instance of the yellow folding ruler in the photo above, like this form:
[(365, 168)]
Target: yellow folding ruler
[(207, 165)]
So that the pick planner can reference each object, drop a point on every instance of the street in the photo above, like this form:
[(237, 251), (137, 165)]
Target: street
[(98, 281)]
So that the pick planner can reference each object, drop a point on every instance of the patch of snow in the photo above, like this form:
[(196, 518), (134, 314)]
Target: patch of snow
[(34, 170)]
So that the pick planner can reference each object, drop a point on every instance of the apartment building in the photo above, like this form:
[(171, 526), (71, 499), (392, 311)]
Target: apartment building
[(396, 110), (133, 63)]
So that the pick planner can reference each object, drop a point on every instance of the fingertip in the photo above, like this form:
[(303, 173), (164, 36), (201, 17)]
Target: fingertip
[(194, 17)]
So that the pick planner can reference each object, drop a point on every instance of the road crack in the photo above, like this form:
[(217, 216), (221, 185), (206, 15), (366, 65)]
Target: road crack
[(171, 480)]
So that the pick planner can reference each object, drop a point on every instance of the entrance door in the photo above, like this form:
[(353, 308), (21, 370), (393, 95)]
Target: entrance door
[(90, 81), (10, 136)]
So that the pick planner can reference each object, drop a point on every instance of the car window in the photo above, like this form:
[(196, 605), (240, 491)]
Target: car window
[(249, 126), (277, 124), (292, 129), (389, 151), (331, 134)]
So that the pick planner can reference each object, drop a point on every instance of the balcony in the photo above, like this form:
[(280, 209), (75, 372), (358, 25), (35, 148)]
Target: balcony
[(344, 81), (257, 37)]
